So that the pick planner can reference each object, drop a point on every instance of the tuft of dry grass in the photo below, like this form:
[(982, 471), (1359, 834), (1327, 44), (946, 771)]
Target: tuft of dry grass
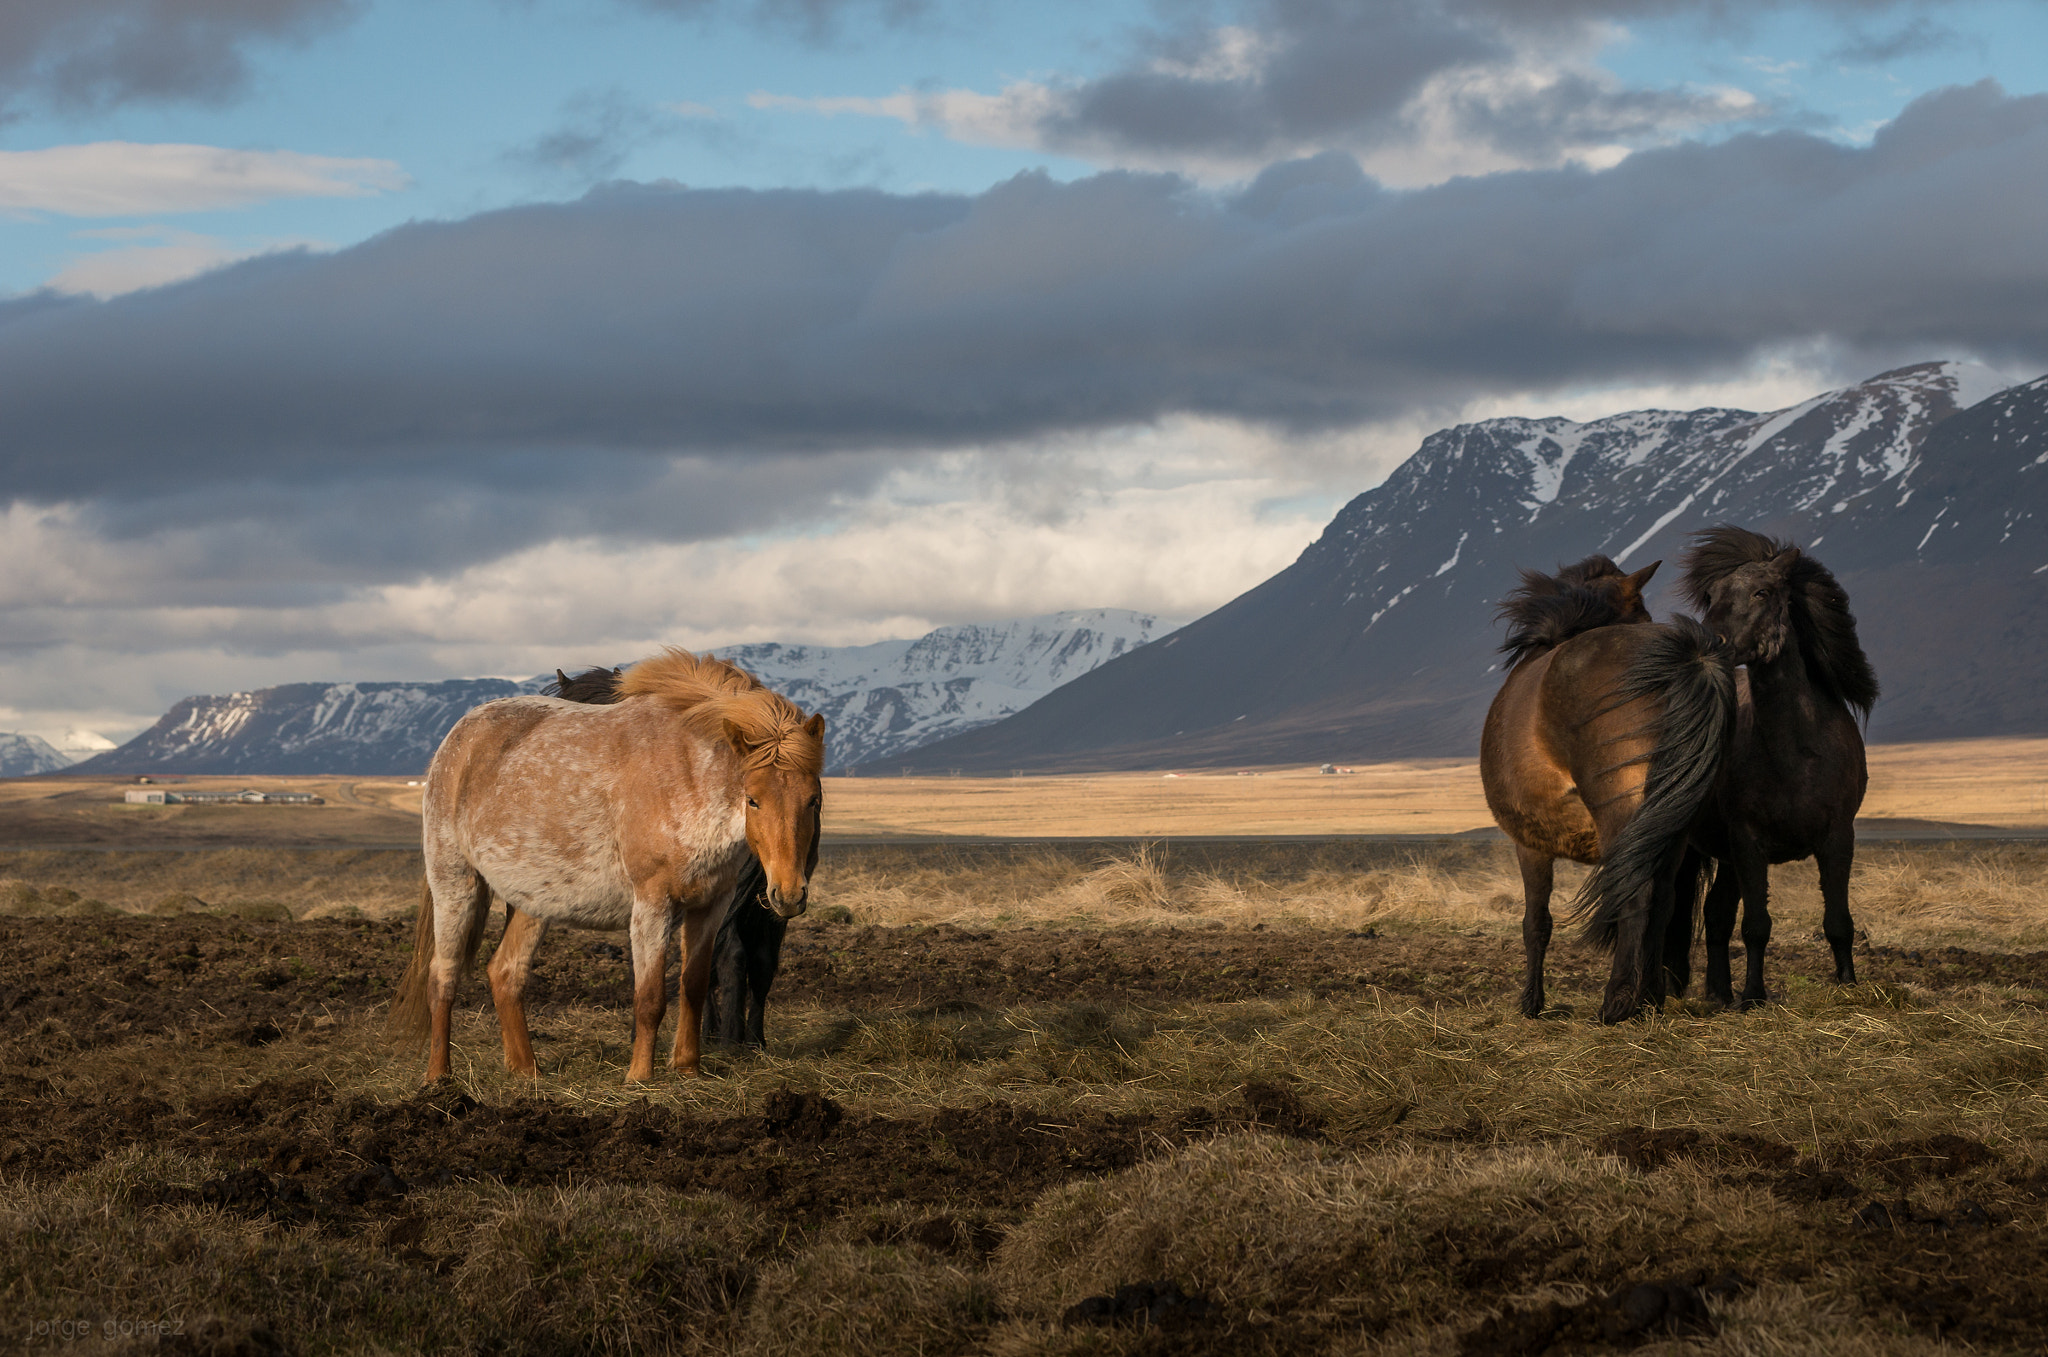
[(873, 1300)]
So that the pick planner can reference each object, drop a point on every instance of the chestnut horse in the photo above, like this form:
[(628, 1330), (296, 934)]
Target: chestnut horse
[(747, 953), (638, 815), (1796, 774), (1607, 723)]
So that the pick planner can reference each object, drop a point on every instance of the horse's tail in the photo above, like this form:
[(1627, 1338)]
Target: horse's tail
[(410, 1016), (406, 1023), (1684, 666)]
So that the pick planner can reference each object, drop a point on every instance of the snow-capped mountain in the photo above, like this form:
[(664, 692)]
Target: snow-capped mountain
[(885, 699), (879, 700), (1924, 489), (366, 728), (27, 755)]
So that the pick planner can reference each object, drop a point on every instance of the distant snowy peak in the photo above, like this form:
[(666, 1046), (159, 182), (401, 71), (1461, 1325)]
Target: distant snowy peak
[(28, 755), (884, 699), (878, 700)]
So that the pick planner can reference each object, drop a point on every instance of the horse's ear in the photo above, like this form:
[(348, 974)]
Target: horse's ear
[(1642, 577), (561, 679), (815, 727), (1786, 559), (737, 738)]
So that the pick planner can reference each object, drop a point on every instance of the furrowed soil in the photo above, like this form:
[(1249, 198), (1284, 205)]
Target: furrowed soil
[(1255, 1098)]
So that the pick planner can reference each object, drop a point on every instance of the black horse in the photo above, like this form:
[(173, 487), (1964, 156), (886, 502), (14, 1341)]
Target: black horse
[(747, 951), (1795, 775)]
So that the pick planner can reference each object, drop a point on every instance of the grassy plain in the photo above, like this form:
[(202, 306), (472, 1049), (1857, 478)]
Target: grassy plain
[(1917, 789), (1006, 1076)]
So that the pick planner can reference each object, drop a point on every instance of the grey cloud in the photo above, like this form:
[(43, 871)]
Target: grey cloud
[(103, 52), (663, 320), (1347, 73), (598, 130), (1910, 39), (269, 543), (815, 21)]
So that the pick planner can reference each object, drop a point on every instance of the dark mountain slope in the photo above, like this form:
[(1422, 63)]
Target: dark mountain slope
[(1379, 640)]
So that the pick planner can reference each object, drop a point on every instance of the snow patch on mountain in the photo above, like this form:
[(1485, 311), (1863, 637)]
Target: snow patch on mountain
[(27, 755), (885, 699)]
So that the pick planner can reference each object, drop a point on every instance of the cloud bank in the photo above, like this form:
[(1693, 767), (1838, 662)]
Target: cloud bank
[(728, 322), (85, 54)]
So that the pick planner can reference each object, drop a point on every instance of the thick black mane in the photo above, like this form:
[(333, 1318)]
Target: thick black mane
[(1546, 610), (1821, 619), (598, 686)]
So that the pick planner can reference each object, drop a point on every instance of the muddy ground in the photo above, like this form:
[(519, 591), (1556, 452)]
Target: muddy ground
[(175, 1004)]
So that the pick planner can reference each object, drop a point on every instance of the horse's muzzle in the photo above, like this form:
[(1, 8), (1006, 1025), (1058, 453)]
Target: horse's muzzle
[(786, 905)]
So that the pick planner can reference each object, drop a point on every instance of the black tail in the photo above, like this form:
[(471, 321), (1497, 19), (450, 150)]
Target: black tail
[(1688, 670)]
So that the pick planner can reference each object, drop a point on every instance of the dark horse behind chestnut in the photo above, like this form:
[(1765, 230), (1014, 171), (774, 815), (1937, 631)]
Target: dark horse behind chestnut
[(1795, 776), (748, 950), (1601, 747)]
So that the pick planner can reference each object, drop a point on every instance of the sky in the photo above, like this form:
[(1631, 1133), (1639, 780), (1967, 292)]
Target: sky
[(408, 339)]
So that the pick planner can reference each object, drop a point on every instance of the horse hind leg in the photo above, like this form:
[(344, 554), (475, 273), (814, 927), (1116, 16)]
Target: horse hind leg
[(462, 904), (1835, 859), (1538, 878), (1636, 979), (508, 972)]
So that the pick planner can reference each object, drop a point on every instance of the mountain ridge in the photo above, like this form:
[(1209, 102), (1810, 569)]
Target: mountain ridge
[(1379, 640), (878, 699)]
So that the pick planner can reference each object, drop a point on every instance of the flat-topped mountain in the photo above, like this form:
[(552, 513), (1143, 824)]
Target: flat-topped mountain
[(1922, 487)]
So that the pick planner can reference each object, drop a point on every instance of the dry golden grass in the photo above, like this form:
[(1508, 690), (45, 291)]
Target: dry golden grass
[(305, 884), (1979, 894), (1996, 782)]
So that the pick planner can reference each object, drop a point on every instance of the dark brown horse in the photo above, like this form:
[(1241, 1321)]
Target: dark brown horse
[(1602, 713), (1795, 776), (747, 953)]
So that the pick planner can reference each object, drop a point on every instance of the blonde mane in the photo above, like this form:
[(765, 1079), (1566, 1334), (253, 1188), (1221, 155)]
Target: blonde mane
[(708, 692)]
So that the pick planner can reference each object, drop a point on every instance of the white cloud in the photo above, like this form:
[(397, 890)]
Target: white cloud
[(152, 256), (1013, 118), (125, 178)]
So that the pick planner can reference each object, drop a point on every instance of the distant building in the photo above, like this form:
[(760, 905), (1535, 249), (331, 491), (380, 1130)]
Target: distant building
[(245, 797)]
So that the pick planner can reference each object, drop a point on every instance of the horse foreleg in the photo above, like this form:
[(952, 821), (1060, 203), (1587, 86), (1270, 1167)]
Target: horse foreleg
[(1685, 899), (725, 1008), (764, 959), (508, 973), (1755, 875), (1538, 877), (1836, 856), (652, 925), (1717, 918), (700, 929)]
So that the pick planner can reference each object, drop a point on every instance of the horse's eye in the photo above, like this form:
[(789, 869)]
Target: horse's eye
[(1761, 593), (817, 801), (753, 804)]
